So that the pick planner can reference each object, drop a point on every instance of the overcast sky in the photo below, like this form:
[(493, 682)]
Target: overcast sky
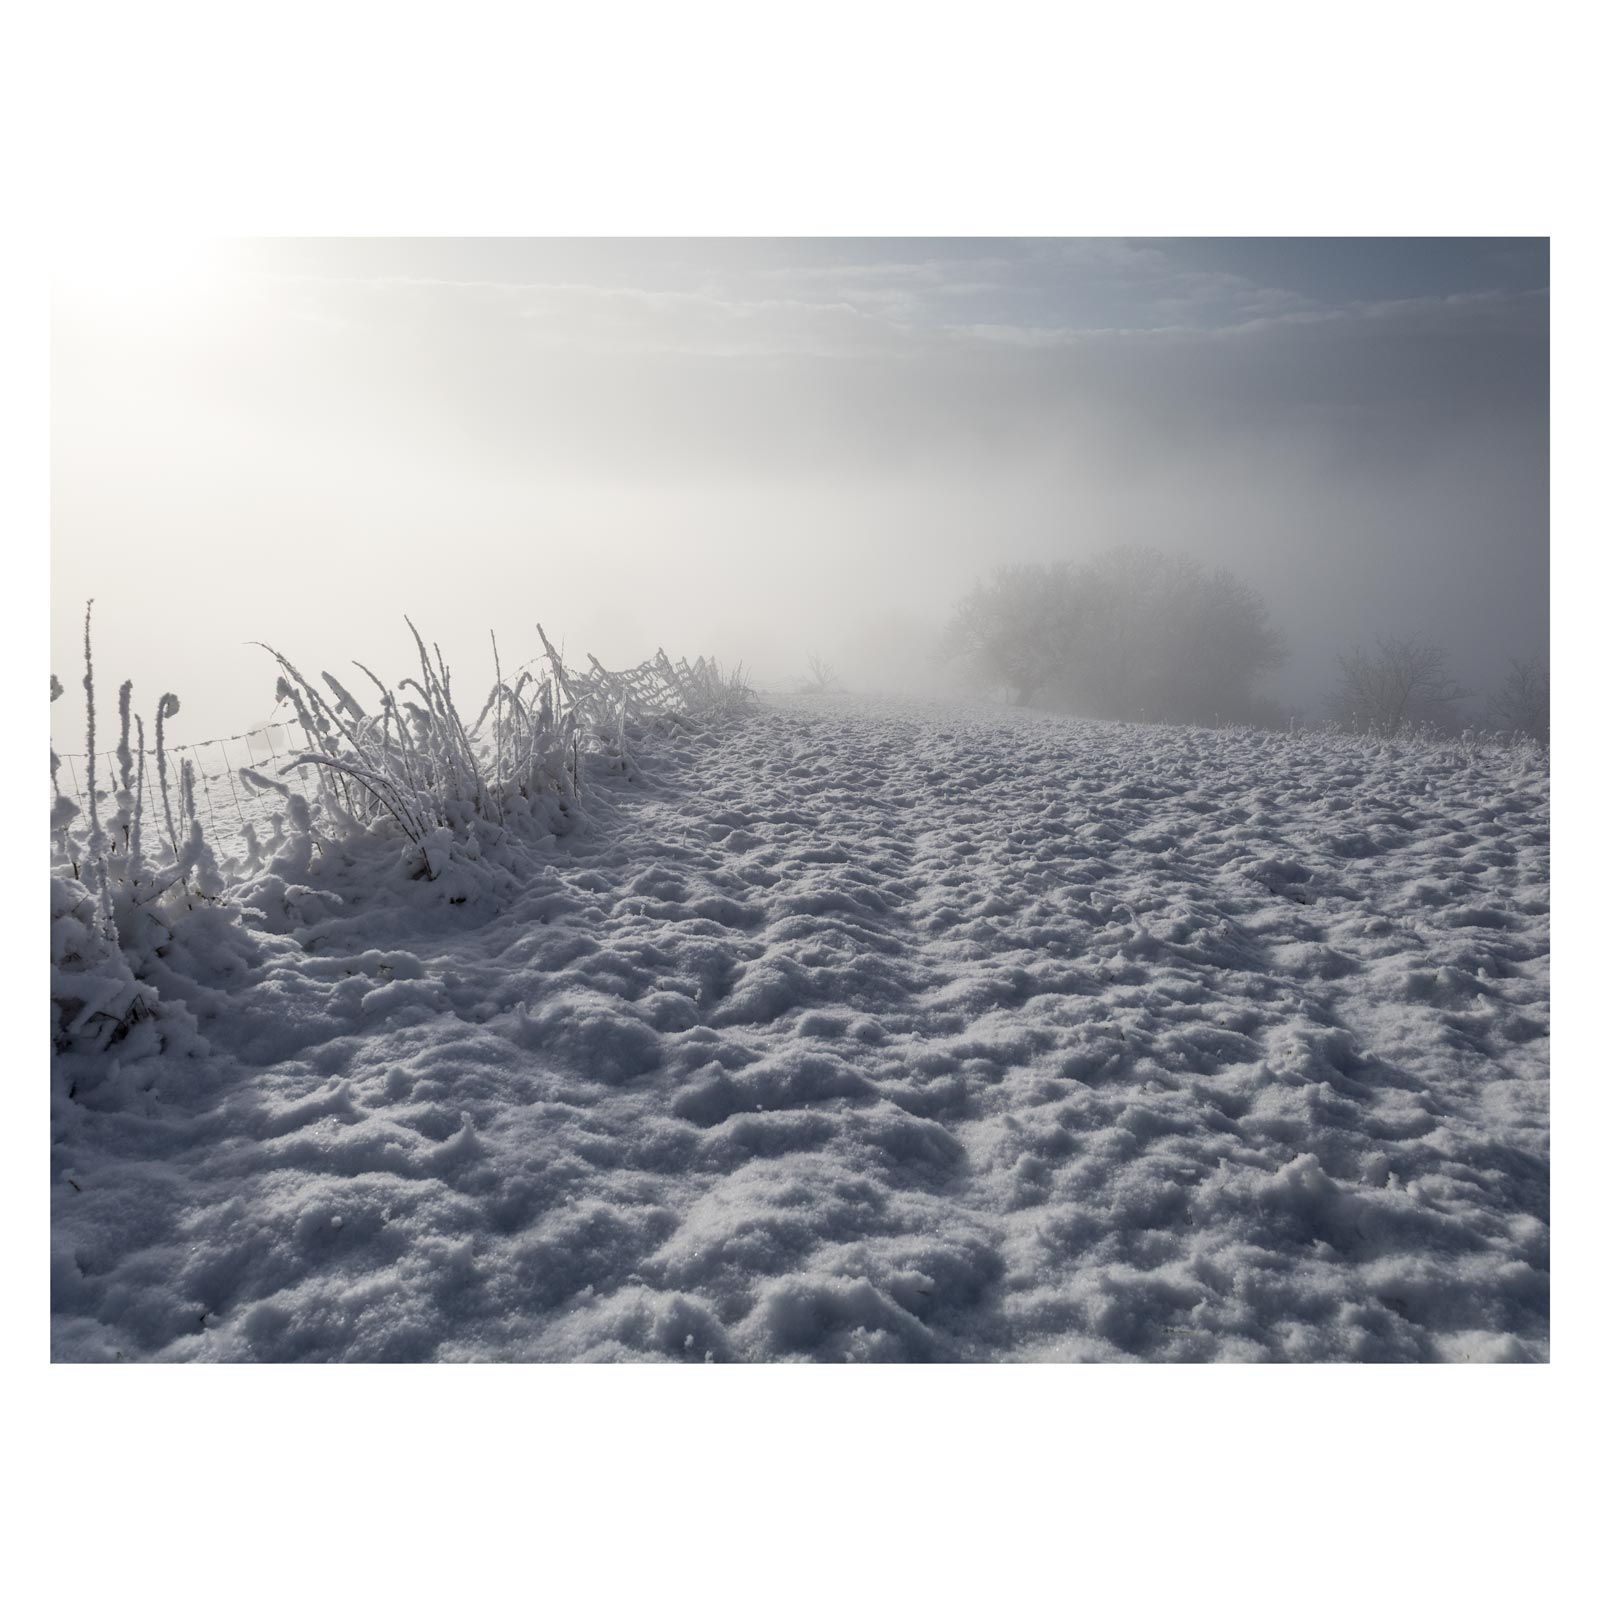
[(769, 448)]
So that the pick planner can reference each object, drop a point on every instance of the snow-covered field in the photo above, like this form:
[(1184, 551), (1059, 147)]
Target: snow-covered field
[(867, 1030)]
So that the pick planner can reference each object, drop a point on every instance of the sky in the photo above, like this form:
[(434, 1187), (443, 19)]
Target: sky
[(772, 448)]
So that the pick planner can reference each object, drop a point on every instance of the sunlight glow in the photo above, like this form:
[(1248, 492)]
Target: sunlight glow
[(134, 275)]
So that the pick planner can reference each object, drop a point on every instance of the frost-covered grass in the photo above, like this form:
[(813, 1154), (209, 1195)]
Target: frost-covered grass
[(874, 1031), (415, 760), (123, 867), (1466, 743), (409, 782)]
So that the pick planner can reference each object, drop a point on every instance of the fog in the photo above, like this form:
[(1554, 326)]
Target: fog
[(772, 449)]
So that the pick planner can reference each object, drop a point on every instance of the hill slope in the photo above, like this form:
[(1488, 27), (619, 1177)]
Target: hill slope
[(876, 1030)]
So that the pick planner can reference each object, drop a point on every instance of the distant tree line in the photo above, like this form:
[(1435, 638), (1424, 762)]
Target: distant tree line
[(1133, 633), (1145, 635)]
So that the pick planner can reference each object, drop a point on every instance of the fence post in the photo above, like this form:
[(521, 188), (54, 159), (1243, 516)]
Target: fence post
[(229, 765), (205, 783)]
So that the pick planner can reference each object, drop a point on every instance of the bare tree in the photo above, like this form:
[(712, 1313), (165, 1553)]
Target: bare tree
[(1016, 630), (1522, 701), (1399, 681), (820, 678)]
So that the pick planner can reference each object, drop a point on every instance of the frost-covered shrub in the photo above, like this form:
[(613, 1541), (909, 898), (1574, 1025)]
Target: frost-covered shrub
[(820, 678)]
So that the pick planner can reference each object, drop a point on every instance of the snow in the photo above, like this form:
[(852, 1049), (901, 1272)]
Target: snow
[(867, 1030)]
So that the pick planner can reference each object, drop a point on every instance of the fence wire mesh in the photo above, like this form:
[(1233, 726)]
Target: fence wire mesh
[(228, 802)]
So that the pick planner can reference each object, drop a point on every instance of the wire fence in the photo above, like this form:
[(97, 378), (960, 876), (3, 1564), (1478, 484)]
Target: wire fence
[(229, 802)]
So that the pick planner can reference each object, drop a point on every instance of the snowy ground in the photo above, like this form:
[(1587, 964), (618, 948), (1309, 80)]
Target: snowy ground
[(872, 1030)]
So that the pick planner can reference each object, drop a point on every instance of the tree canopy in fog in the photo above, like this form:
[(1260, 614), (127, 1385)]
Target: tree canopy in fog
[(1133, 633)]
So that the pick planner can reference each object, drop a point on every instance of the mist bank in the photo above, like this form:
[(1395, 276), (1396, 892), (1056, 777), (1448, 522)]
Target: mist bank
[(771, 453)]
